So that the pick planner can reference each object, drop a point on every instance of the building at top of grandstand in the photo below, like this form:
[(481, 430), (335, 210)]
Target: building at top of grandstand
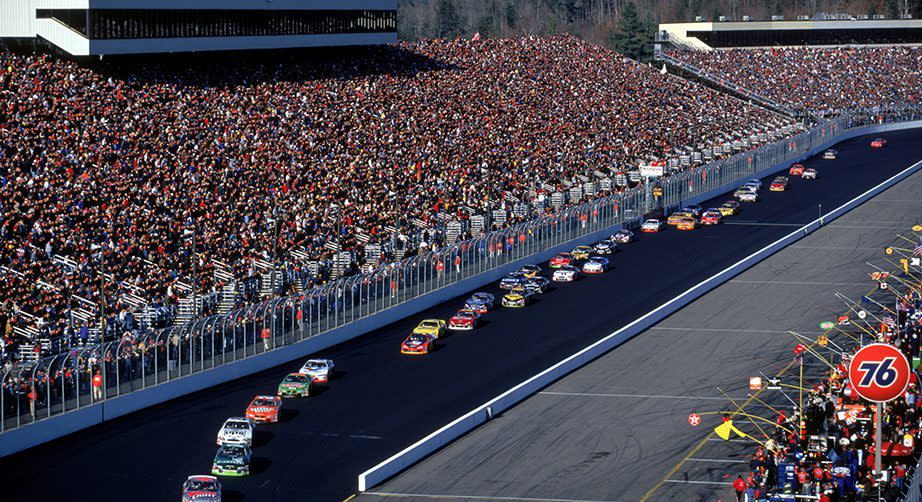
[(780, 33), (97, 27)]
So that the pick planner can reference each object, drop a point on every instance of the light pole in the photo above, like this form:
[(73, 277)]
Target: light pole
[(102, 316)]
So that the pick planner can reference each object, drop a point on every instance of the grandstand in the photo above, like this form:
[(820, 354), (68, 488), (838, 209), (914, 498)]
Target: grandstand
[(101, 27)]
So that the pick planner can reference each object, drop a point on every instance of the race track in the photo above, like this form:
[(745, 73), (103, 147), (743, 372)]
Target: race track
[(382, 401), (617, 430)]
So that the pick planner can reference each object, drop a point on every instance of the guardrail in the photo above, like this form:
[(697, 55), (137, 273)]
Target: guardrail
[(511, 397), (134, 372)]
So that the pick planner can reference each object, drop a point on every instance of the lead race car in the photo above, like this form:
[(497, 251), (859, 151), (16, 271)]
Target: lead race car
[(830, 154), (480, 302), (878, 143), (320, 370)]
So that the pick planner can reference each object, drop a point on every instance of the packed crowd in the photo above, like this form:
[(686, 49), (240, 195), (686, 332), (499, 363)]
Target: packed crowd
[(108, 174), (819, 79), (833, 459)]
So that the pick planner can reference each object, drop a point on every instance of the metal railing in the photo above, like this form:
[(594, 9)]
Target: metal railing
[(66, 382)]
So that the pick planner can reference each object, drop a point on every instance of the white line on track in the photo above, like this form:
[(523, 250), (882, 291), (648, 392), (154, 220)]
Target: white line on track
[(477, 497), (639, 396), (719, 460), (682, 482), (730, 330), (800, 283), (762, 224)]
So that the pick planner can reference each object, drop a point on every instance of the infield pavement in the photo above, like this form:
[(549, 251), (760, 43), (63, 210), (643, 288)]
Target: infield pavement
[(617, 429)]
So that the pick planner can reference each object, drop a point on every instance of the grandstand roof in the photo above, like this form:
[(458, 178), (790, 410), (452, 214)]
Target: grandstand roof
[(708, 35)]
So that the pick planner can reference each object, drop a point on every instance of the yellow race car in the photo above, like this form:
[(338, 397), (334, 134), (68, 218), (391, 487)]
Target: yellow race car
[(676, 217), (432, 327), (729, 208), (581, 252), (517, 298), (687, 224)]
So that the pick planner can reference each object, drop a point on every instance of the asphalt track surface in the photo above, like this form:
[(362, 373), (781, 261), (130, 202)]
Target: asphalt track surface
[(617, 428), (382, 401)]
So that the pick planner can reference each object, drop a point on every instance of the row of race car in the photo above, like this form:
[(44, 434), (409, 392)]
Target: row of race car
[(235, 437)]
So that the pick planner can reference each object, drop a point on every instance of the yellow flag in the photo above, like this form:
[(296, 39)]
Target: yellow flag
[(723, 430)]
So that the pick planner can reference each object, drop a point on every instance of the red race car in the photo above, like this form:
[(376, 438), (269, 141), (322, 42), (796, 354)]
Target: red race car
[(264, 409), (464, 319), (561, 260), (711, 217), (417, 343), (879, 143), (780, 184), (796, 170)]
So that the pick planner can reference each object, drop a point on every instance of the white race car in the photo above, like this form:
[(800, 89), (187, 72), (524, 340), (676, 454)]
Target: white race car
[(320, 370), (566, 273), (651, 225), (830, 154), (756, 183), (747, 196), (236, 430), (623, 236), (809, 174), (595, 265)]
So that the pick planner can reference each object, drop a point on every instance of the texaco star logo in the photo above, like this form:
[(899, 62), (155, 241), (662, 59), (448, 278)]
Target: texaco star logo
[(694, 419)]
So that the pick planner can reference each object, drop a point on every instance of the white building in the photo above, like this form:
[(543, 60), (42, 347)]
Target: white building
[(98, 27)]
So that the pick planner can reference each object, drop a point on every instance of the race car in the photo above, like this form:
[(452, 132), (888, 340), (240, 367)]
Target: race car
[(513, 280), (529, 271), (711, 217), (830, 154), (236, 430), (201, 489), (595, 265), (623, 236), (780, 184), (581, 252), (232, 460), (480, 302), (796, 170), (605, 246), (296, 385), (264, 409), (433, 327), (537, 285), (651, 225), (809, 174), (757, 183), (729, 208), (464, 319), (518, 298), (568, 273), (694, 209), (879, 143), (687, 224), (678, 216), (746, 195), (320, 370), (418, 343), (561, 260), (753, 187)]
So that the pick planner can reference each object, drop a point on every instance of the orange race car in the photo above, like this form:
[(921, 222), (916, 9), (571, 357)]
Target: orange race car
[(796, 170), (264, 409)]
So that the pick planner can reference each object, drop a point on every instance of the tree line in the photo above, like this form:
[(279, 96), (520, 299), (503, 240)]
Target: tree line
[(626, 25)]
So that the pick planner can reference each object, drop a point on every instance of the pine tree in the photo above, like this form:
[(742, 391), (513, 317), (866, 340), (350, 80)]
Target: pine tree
[(448, 21), (633, 37)]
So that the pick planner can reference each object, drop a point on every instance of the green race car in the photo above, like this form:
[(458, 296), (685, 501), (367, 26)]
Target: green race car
[(295, 385), (232, 460)]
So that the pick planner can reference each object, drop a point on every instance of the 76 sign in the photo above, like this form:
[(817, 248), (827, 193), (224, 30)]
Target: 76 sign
[(879, 372)]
